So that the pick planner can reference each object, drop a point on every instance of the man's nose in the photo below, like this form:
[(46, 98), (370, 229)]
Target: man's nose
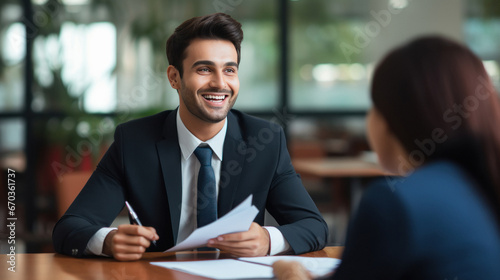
[(218, 81)]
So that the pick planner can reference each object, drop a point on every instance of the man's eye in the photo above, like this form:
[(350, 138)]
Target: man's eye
[(230, 70), (204, 70)]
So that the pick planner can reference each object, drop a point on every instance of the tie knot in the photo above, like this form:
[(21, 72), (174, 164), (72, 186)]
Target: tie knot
[(204, 155)]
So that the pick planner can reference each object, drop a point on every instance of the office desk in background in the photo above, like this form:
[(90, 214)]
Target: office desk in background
[(345, 178), (335, 169), (339, 167), (51, 266)]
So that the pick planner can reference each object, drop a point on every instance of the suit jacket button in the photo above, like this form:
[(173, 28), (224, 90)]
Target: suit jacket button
[(74, 252)]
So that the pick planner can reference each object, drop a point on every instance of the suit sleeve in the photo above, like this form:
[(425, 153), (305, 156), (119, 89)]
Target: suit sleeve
[(96, 206), (378, 239), (289, 203)]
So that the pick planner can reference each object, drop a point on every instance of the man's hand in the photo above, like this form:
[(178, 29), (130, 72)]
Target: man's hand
[(252, 243), (129, 242)]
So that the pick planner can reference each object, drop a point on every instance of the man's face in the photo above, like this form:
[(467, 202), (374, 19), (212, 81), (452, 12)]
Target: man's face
[(209, 85)]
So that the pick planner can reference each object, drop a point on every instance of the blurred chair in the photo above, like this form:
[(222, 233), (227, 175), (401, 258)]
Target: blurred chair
[(68, 188)]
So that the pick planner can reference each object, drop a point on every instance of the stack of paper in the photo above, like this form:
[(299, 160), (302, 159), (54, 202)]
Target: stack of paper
[(237, 220), (221, 269), (245, 268), (317, 266)]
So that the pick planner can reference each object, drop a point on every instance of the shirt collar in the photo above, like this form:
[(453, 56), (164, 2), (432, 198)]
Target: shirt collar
[(188, 142)]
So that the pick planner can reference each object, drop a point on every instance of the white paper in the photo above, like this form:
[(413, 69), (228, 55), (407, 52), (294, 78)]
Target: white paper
[(221, 269), (317, 266), (245, 268), (237, 220)]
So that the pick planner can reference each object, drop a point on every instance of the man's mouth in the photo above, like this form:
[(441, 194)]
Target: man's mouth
[(214, 98)]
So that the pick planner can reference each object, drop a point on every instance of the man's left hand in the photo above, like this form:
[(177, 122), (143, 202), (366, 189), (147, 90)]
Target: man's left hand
[(252, 243)]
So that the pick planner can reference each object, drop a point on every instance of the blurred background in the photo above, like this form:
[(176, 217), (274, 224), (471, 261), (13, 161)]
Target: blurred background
[(71, 70)]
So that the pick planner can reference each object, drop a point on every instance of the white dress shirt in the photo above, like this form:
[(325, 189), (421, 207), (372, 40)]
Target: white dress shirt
[(190, 167)]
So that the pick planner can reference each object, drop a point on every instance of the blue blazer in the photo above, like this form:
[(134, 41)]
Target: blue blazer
[(143, 167), (431, 225)]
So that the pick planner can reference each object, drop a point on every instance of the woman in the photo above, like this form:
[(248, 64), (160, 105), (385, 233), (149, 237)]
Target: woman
[(436, 121)]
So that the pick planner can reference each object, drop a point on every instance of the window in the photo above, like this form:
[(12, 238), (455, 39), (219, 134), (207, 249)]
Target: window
[(12, 53), (75, 67)]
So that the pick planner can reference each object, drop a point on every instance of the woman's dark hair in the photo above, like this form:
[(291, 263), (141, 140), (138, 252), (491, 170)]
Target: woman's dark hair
[(438, 100), (214, 26)]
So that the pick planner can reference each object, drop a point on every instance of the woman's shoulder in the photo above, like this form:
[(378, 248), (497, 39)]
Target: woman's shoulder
[(440, 195), (439, 191), (435, 177), (438, 204)]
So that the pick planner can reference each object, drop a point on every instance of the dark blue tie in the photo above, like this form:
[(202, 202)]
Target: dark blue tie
[(207, 193)]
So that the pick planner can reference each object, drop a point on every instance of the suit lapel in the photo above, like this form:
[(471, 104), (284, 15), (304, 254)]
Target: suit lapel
[(231, 168), (169, 154)]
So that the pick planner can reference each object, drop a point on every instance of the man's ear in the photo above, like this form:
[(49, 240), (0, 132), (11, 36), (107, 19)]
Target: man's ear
[(174, 77)]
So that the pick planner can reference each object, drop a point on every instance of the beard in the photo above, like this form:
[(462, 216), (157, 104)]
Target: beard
[(201, 110)]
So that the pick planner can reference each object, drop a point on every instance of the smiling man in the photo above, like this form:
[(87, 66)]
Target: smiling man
[(208, 86), (184, 168)]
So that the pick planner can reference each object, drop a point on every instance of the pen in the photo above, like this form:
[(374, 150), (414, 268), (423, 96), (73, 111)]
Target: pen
[(135, 218)]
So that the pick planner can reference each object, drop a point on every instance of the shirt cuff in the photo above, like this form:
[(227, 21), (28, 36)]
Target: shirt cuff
[(94, 247), (278, 242)]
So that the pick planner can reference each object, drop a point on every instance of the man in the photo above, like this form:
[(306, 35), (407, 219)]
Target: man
[(153, 164)]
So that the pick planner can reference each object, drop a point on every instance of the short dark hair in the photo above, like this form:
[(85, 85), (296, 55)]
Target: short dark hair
[(214, 26)]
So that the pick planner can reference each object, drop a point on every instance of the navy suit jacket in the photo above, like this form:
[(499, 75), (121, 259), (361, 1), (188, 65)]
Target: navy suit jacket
[(143, 167), (433, 224)]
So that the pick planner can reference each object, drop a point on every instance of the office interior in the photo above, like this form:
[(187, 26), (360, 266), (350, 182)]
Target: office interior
[(71, 70)]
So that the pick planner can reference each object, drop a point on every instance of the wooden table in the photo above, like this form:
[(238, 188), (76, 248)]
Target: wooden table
[(338, 167), (55, 266), (335, 169)]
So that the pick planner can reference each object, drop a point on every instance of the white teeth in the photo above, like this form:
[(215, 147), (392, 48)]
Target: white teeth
[(216, 97)]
